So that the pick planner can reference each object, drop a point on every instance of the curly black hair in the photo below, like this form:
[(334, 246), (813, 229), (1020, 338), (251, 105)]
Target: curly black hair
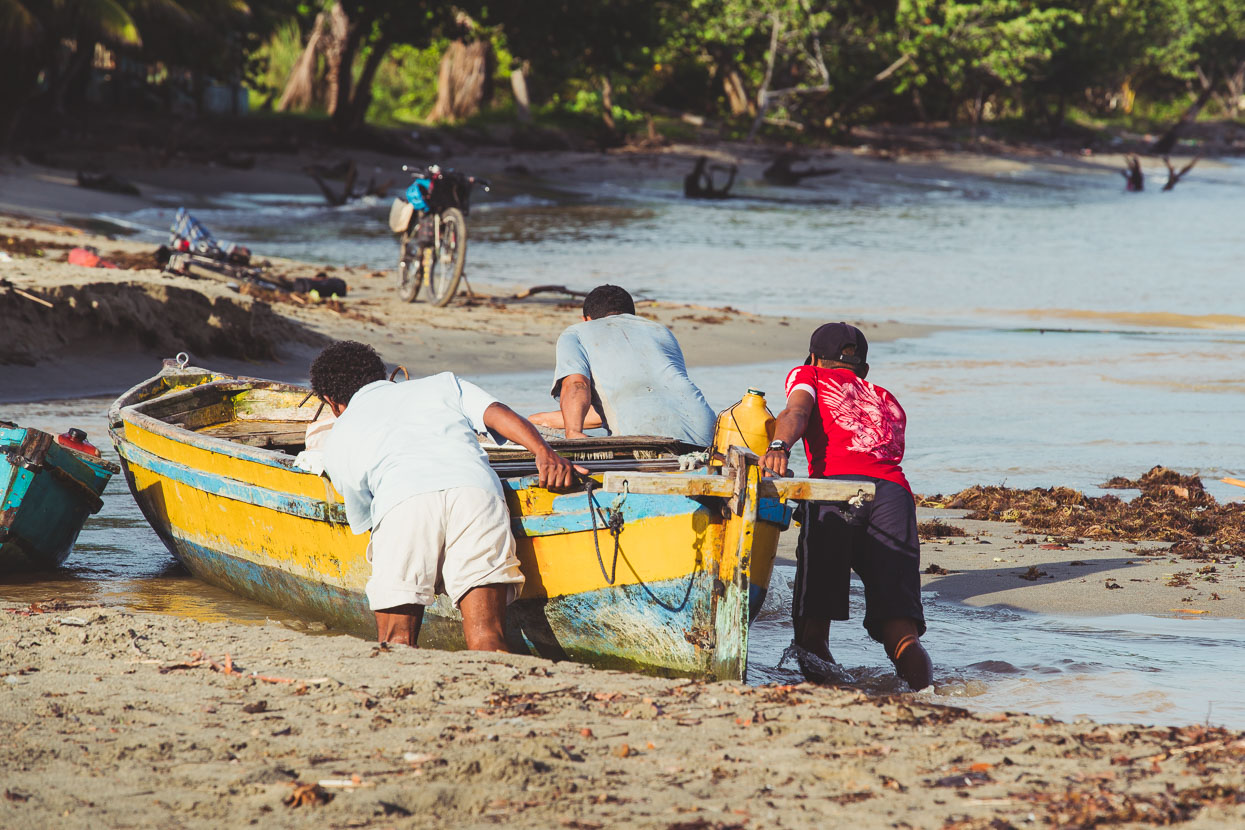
[(605, 300), (344, 368)]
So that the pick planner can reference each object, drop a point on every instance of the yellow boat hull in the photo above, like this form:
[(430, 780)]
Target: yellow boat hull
[(670, 593)]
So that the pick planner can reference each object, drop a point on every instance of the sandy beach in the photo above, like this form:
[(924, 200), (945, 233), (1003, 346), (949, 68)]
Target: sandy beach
[(125, 719), (105, 327)]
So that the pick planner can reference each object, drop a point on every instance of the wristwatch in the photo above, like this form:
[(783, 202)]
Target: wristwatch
[(779, 445)]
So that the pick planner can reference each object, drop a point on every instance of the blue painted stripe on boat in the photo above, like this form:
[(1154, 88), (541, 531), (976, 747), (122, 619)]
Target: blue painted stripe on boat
[(574, 517), (567, 520), (229, 488)]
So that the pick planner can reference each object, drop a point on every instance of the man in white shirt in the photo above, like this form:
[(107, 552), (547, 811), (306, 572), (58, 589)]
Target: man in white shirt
[(407, 462)]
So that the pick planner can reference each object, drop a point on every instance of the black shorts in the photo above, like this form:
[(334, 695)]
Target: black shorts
[(878, 541)]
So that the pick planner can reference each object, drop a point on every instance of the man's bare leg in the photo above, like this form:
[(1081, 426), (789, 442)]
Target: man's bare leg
[(400, 624), (484, 617), (903, 646)]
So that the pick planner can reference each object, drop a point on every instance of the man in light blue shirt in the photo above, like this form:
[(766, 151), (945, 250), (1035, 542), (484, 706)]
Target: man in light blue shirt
[(626, 374), (407, 462)]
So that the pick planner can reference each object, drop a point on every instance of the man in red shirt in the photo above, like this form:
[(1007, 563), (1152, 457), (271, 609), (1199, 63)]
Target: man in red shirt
[(853, 430)]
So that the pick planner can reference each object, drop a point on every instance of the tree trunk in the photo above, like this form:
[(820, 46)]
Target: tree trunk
[(346, 34), (1233, 86), (736, 93), (919, 104), (1235, 82), (979, 107), (465, 82), (522, 103), (72, 84), (607, 102), (1055, 117), (867, 91), (763, 100), (363, 88), (300, 87), (1165, 144)]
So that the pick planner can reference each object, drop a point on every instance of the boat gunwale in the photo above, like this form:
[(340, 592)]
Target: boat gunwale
[(133, 413), (121, 413)]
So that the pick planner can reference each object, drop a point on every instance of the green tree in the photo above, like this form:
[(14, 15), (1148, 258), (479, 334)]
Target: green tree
[(1218, 49), (595, 41), (969, 52)]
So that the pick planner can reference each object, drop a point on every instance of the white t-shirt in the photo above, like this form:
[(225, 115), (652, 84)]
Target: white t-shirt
[(397, 440)]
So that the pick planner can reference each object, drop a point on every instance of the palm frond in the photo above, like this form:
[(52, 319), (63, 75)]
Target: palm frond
[(109, 18), (176, 12), (17, 23)]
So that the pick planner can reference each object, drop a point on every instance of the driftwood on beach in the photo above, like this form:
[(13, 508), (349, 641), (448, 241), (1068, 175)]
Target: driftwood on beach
[(547, 289)]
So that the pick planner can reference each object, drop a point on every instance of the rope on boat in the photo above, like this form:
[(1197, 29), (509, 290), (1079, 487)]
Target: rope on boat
[(614, 524)]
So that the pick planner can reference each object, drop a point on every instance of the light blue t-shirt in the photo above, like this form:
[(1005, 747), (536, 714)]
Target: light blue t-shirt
[(397, 440), (639, 380)]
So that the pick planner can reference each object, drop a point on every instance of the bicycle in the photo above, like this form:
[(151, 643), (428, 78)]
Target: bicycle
[(430, 219)]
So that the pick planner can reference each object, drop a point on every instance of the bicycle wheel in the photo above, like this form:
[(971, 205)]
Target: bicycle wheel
[(448, 259), (409, 276)]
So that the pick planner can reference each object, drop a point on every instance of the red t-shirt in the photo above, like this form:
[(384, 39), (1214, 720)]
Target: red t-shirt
[(857, 428)]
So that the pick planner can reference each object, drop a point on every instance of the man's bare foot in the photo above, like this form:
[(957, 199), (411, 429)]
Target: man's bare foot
[(911, 660)]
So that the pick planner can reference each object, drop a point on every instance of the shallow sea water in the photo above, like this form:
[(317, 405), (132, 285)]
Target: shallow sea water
[(1091, 334)]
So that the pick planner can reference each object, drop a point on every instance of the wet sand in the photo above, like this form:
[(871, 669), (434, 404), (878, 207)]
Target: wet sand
[(144, 720)]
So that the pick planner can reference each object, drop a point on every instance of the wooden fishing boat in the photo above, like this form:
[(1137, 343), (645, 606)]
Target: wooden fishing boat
[(46, 493), (650, 568)]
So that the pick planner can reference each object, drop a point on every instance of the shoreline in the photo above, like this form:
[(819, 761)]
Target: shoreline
[(70, 332), (145, 720)]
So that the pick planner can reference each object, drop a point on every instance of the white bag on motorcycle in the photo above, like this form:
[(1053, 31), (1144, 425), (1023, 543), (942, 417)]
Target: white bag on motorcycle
[(400, 214)]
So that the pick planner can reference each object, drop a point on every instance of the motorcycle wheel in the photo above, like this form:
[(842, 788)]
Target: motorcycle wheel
[(449, 258), (409, 276)]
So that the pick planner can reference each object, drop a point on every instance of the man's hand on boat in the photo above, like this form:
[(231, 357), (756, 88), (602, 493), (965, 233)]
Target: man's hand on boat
[(774, 463), (555, 471)]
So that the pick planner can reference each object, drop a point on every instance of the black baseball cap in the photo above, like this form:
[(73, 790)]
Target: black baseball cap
[(829, 341)]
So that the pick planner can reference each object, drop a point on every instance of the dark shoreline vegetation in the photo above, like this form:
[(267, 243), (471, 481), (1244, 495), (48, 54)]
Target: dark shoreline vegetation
[(1151, 75)]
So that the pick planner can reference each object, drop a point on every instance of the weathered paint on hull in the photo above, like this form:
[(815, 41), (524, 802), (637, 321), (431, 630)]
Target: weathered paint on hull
[(662, 624), (46, 494), (671, 598)]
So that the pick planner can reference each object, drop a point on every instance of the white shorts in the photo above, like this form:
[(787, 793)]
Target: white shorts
[(446, 541)]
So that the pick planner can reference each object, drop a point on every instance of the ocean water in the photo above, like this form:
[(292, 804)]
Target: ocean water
[(1090, 332), (1086, 333)]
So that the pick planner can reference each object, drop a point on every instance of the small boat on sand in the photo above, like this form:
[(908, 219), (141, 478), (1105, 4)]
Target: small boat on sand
[(647, 568), (48, 486)]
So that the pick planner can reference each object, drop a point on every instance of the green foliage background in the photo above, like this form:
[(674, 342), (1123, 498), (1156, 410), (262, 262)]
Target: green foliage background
[(1032, 62)]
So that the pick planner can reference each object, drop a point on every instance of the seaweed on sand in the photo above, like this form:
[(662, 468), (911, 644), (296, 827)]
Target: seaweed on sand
[(1171, 508)]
